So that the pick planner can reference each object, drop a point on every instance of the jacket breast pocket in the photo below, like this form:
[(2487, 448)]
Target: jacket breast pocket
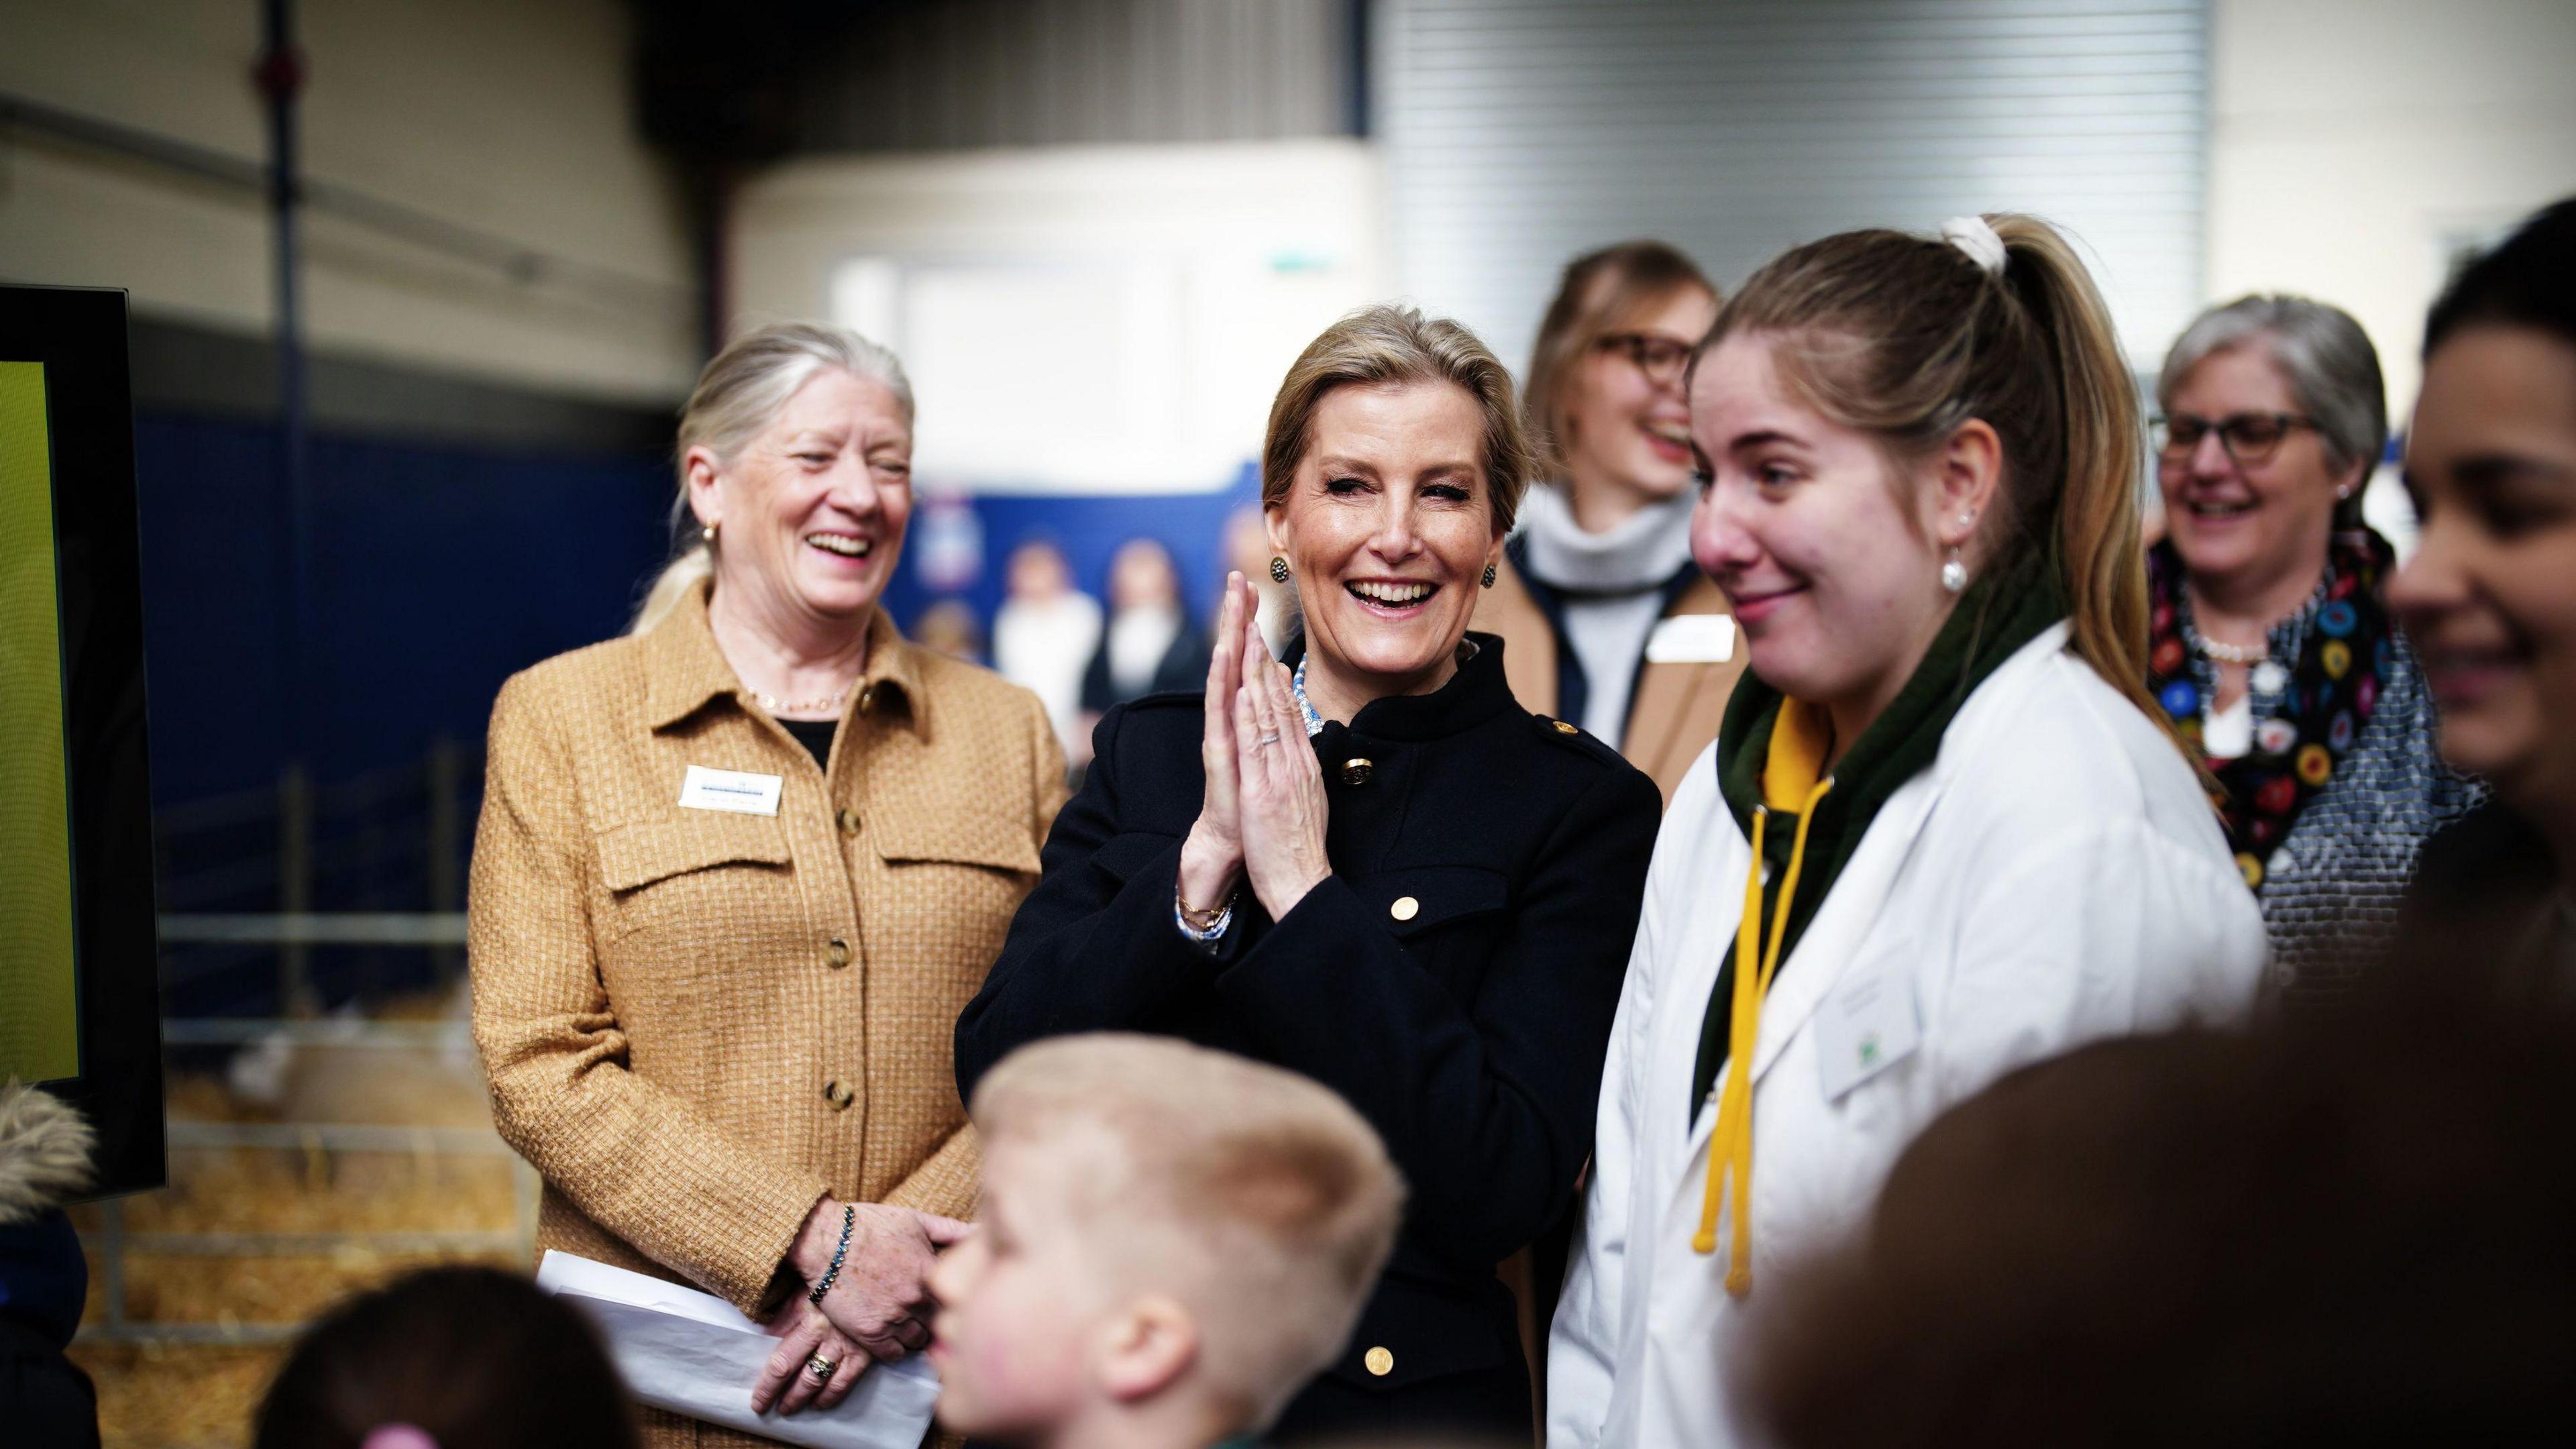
[(952, 885), (1449, 917), (710, 877)]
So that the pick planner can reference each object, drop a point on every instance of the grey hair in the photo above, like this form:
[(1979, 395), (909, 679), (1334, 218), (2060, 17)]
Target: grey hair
[(738, 394), (2322, 353)]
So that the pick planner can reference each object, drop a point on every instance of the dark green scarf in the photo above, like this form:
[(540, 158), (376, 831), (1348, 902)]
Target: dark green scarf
[(1993, 620)]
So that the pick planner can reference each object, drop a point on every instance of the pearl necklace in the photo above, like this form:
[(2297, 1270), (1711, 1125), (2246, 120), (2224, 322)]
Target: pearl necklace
[(775, 705), (2234, 653)]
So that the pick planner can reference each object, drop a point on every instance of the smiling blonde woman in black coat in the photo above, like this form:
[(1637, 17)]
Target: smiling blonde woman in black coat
[(1428, 906)]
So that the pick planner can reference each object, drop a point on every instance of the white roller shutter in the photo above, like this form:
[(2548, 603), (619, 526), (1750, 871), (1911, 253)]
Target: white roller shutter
[(1518, 133)]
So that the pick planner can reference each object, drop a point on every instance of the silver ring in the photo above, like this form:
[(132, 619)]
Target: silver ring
[(1271, 738), (821, 1368)]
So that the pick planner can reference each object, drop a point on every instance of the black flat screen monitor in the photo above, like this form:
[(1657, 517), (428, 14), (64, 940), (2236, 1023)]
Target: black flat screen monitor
[(79, 987)]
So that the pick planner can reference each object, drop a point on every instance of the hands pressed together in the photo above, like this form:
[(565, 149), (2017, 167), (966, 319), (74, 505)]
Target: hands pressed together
[(878, 1308), (1261, 823), (1262, 819)]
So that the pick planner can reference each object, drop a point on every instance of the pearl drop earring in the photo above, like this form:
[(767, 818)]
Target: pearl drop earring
[(1954, 574)]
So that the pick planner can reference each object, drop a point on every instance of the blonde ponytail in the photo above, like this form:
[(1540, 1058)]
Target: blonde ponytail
[(2101, 552), (693, 565)]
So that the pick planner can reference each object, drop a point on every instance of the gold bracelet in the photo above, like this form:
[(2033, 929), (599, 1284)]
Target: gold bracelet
[(1200, 922)]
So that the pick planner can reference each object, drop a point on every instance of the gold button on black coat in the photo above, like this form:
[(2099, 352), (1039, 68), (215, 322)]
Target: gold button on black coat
[(1454, 978), (1356, 771)]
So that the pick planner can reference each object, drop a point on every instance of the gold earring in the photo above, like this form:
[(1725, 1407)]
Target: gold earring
[(1278, 569), (1489, 576)]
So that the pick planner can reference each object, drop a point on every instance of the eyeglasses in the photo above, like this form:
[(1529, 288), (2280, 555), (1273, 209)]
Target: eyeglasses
[(2249, 438), (1659, 358)]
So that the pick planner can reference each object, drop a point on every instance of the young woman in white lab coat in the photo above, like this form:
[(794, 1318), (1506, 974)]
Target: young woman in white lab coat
[(1942, 832)]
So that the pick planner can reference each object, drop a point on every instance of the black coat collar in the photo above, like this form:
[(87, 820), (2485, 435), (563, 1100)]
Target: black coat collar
[(1475, 694)]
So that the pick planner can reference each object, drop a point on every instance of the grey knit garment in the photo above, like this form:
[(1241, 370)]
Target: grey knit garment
[(2331, 888)]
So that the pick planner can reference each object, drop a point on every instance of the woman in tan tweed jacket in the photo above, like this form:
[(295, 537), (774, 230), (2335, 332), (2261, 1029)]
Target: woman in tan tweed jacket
[(716, 1008)]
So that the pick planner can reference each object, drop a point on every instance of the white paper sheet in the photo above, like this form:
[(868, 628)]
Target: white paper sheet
[(693, 1353)]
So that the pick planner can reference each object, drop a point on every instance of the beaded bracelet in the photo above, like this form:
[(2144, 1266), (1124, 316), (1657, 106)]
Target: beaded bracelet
[(849, 1219)]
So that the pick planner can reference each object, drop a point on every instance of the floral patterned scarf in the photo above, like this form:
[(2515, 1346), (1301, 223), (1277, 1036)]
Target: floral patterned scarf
[(2310, 698)]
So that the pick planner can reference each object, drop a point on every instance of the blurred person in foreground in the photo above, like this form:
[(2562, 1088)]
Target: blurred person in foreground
[(1173, 1241), (448, 1358), (1608, 622), (1965, 839), (736, 874), (45, 1150), (2346, 1229), (2490, 599), (1378, 870), (1152, 645), (1045, 633), (2272, 645)]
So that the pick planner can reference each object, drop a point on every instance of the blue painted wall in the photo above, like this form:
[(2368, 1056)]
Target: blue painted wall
[(439, 571)]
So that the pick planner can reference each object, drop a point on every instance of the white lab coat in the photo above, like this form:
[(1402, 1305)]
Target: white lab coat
[(2054, 877)]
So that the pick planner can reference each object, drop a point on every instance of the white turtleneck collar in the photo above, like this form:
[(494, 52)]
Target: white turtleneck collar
[(1641, 552)]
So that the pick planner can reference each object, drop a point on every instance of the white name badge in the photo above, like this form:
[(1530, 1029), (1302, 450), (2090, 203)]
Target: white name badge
[(1692, 639), (736, 790), (1864, 1029)]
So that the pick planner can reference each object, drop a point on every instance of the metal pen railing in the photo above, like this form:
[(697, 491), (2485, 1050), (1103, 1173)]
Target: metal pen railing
[(114, 1242)]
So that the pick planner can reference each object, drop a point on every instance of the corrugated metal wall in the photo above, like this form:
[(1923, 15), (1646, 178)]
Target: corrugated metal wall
[(1520, 132), (1046, 72)]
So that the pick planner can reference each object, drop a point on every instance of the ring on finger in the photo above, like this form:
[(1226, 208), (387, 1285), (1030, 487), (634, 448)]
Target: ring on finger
[(821, 1368)]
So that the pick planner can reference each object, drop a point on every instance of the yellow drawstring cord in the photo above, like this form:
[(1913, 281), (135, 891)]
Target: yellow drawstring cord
[(1730, 1143)]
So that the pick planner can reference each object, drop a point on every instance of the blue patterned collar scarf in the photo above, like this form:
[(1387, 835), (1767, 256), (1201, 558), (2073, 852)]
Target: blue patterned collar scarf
[(2310, 697)]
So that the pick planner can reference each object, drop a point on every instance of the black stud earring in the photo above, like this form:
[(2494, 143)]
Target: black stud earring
[(1489, 576), (1278, 569)]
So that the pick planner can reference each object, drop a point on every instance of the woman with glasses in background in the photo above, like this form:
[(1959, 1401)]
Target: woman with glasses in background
[(2272, 645), (1606, 622)]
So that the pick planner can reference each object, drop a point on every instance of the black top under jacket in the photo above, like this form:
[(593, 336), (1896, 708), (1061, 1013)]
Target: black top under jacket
[(1454, 978)]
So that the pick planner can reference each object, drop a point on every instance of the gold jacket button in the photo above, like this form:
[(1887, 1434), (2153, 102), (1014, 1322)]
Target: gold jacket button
[(868, 699), (1357, 771), (1404, 909), (838, 1095), (1565, 729), (838, 953), (1379, 1361), (849, 820)]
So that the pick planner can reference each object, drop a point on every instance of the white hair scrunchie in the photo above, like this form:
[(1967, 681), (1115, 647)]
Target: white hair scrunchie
[(1972, 235)]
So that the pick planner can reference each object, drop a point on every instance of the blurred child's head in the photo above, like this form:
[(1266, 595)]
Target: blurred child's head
[(464, 1358), (1166, 1229)]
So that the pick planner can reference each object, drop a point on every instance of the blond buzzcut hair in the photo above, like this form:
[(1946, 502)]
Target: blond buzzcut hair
[(1256, 1197), (1391, 346)]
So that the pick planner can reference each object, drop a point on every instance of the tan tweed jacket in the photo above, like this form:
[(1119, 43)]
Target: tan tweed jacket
[(1676, 709), (697, 1022)]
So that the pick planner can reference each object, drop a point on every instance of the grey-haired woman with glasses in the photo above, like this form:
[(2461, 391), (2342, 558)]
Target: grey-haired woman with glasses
[(2273, 648)]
